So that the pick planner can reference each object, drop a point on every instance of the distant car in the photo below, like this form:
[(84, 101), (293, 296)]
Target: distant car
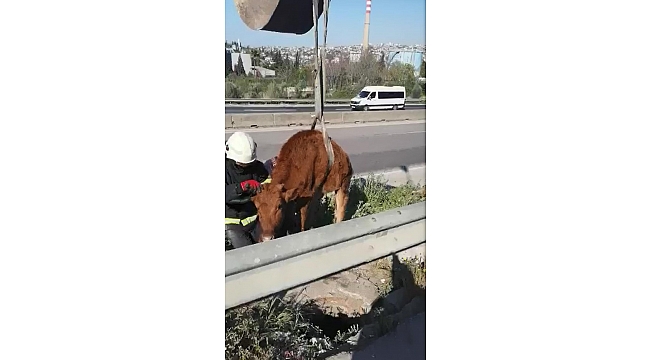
[(379, 97)]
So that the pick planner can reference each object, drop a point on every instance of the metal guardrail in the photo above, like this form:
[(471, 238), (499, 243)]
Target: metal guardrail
[(303, 101), (260, 270)]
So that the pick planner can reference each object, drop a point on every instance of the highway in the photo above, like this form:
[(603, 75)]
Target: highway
[(260, 109), (371, 147)]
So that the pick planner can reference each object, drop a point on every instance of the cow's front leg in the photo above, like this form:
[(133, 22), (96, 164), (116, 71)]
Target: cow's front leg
[(302, 206)]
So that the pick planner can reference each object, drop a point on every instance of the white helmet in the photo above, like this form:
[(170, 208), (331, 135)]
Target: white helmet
[(241, 148)]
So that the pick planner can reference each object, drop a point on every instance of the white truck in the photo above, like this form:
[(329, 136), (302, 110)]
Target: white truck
[(379, 97)]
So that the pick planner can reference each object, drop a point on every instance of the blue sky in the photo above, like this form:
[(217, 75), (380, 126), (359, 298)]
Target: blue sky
[(396, 21)]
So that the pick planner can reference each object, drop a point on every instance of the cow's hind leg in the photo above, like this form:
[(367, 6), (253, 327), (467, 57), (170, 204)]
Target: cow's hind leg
[(342, 196)]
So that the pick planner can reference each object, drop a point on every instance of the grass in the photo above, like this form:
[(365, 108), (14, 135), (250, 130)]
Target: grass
[(273, 328), (276, 329), (370, 196)]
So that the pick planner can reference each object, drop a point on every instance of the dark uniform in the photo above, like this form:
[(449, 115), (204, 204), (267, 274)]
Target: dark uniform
[(241, 214)]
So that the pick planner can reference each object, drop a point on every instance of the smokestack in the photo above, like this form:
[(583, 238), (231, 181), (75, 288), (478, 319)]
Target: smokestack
[(366, 28)]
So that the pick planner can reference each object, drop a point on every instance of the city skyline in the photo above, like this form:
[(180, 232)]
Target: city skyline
[(329, 46), (345, 26)]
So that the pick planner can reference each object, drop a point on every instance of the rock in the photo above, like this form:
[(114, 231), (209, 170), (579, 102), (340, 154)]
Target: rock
[(345, 293)]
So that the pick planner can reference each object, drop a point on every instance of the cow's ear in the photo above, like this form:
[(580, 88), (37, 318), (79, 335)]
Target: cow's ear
[(290, 194)]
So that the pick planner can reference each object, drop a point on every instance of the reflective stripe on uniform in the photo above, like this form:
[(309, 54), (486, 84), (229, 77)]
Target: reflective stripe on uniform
[(267, 181), (249, 220), (244, 222)]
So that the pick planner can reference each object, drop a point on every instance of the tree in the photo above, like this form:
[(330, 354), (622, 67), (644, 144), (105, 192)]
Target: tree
[(277, 60), (344, 78), (295, 75), (228, 63), (256, 57), (416, 93), (382, 62), (296, 61), (401, 75), (366, 71), (423, 69), (239, 68), (286, 63)]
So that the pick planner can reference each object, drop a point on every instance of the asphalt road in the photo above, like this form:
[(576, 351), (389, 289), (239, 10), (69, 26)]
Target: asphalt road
[(261, 109), (371, 147)]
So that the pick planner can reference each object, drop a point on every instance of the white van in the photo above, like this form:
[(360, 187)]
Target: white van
[(379, 97)]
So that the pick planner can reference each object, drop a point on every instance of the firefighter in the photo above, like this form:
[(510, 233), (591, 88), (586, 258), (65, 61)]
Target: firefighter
[(244, 175)]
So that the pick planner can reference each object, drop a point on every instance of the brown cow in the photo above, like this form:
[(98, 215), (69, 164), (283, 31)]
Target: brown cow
[(299, 171)]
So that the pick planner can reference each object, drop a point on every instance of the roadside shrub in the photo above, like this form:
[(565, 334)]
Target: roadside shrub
[(273, 329), (232, 91), (372, 195), (346, 92), (272, 91), (255, 90)]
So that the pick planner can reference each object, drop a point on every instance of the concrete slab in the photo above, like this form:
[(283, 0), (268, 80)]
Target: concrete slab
[(246, 121), (374, 116), (348, 292)]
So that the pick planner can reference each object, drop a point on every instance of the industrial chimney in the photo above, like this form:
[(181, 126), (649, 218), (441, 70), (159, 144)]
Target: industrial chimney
[(366, 28)]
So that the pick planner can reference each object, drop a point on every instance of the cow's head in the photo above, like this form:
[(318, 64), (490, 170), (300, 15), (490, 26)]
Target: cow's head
[(270, 202)]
